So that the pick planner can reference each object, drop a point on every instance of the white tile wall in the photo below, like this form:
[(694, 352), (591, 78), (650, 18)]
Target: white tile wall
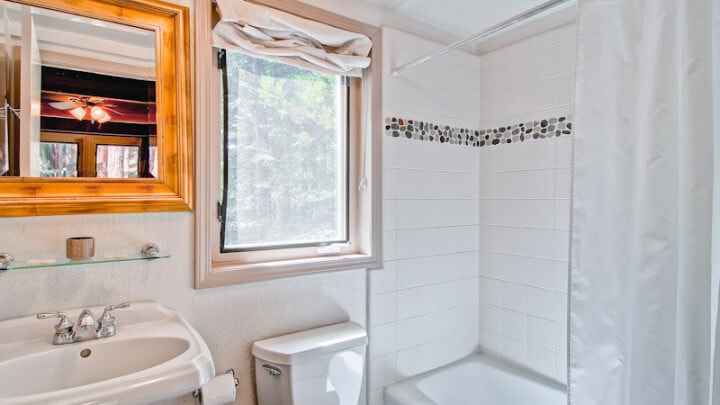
[(424, 305), (524, 203), (475, 238)]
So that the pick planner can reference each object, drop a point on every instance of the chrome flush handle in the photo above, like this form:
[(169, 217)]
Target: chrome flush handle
[(106, 323)]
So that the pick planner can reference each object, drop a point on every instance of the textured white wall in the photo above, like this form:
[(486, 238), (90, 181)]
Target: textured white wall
[(525, 203), (229, 318), (423, 306)]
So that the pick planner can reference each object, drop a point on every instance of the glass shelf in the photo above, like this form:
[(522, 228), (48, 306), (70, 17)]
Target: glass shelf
[(35, 264)]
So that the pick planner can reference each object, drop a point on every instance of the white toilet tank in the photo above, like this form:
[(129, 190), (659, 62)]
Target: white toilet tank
[(322, 366)]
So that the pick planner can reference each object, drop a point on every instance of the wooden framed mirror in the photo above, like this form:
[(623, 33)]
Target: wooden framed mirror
[(97, 107)]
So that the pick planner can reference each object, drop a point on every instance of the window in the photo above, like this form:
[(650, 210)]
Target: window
[(89, 155), (285, 155), (58, 159), (278, 191)]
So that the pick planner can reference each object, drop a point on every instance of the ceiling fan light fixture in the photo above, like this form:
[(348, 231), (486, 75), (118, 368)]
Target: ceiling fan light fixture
[(105, 118), (97, 113), (78, 113)]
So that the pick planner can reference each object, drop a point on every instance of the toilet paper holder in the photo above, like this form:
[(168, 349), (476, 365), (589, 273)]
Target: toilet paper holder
[(198, 392)]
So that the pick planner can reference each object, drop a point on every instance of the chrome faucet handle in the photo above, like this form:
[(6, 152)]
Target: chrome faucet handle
[(106, 323), (64, 326), (85, 328), (63, 330)]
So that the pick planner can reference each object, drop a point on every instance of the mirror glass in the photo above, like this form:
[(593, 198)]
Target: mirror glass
[(78, 95)]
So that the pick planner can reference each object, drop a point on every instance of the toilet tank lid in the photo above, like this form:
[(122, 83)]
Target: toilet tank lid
[(309, 344)]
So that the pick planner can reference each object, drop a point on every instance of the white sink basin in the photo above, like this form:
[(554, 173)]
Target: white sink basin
[(155, 355)]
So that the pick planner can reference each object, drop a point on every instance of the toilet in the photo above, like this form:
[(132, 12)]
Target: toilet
[(322, 366)]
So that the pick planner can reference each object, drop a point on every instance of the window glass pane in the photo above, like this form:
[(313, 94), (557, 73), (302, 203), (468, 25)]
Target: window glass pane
[(58, 159), (286, 155), (116, 161), (152, 158)]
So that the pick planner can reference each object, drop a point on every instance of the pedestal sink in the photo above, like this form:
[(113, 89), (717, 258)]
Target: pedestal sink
[(155, 355)]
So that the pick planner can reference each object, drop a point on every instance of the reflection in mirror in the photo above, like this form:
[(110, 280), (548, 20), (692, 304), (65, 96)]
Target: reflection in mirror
[(78, 95)]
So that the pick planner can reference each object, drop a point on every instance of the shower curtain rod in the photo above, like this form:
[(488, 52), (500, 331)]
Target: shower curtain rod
[(482, 34)]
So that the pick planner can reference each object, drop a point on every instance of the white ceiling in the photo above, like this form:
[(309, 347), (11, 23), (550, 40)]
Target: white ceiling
[(460, 17)]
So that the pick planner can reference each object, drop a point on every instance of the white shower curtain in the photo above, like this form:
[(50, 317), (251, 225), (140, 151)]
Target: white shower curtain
[(640, 286)]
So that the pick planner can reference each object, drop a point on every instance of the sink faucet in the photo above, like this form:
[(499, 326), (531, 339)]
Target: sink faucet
[(86, 327)]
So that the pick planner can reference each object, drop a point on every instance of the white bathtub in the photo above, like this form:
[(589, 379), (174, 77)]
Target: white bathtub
[(476, 380)]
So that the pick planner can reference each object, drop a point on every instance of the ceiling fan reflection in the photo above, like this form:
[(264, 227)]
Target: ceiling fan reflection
[(92, 107)]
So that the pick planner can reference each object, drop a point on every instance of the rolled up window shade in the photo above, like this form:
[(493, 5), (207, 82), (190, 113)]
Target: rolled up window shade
[(272, 34)]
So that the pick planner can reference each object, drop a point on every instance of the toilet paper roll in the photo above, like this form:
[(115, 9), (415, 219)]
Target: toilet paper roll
[(219, 391)]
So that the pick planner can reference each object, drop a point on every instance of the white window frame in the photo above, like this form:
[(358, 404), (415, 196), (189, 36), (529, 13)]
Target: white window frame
[(217, 269)]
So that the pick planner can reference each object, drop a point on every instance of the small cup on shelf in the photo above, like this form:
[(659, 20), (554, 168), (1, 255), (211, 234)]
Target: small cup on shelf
[(80, 248)]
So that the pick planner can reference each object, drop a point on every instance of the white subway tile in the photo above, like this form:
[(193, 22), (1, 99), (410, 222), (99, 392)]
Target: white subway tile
[(389, 214), (541, 360), (389, 186), (543, 40), (383, 339), (544, 64), (562, 245), (561, 368), (499, 159), (514, 350), (491, 291), (513, 297), (540, 243), (410, 332), (490, 342), (503, 212), (564, 56), (414, 155), (560, 338), (513, 101), (513, 73), (504, 267), (384, 279), (436, 269), (541, 95), (490, 318), (547, 274), (513, 324), (490, 108), (503, 185), (436, 241), (516, 50), (421, 184), (437, 297), (418, 359), (540, 214), (561, 305), (383, 371), (539, 154), (389, 245), (392, 148), (541, 332), (491, 79), (566, 33), (563, 183), (382, 308), (502, 239), (538, 183), (540, 303), (435, 213), (565, 92), (563, 151), (562, 215)]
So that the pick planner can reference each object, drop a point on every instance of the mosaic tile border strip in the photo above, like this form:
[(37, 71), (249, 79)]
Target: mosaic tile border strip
[(427, 131)]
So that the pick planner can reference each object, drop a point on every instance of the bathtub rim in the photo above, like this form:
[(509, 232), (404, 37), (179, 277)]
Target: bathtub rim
[(407, 390)]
